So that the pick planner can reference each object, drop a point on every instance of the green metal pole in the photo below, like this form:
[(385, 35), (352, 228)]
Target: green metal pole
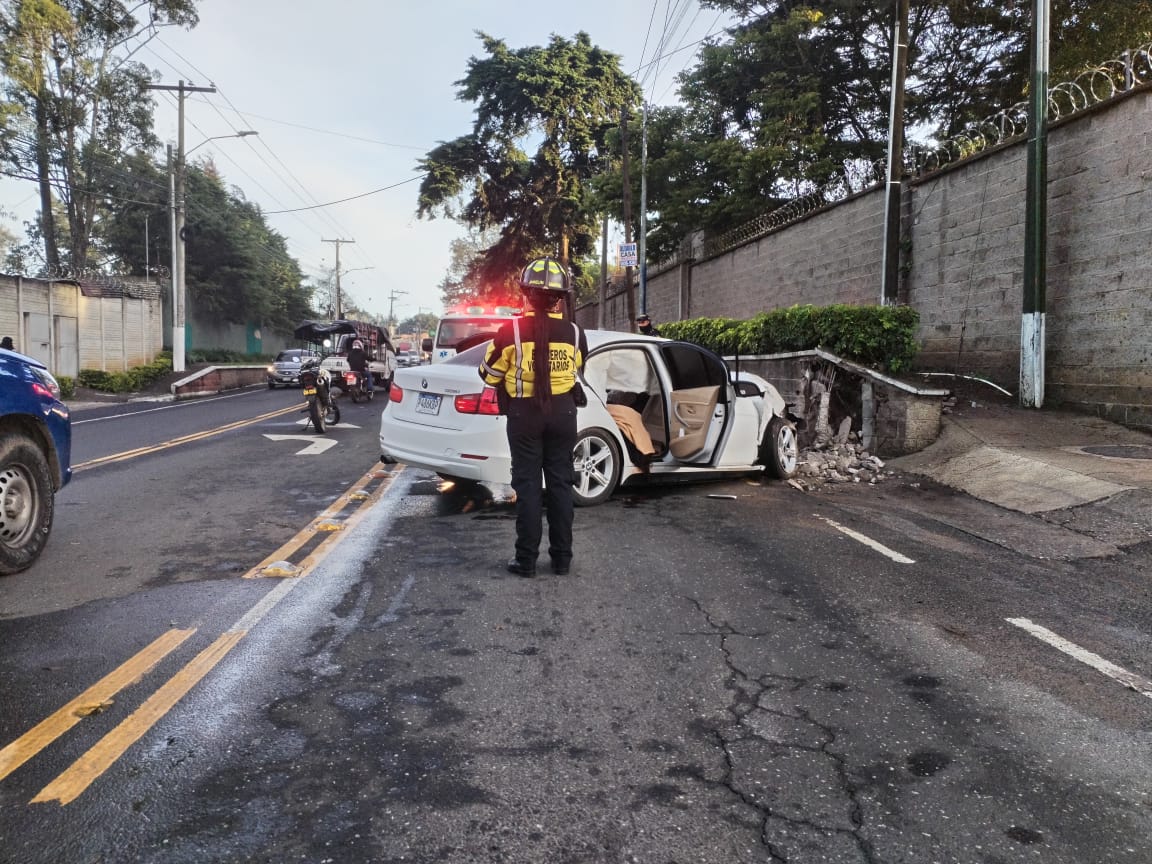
[(1032, 323), (890, 265)]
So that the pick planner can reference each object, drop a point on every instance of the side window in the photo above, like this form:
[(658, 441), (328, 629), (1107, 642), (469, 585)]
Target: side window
[(690, 366)]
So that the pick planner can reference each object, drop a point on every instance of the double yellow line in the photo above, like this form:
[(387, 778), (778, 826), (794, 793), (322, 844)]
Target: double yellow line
[(84, 771), (184, 439)]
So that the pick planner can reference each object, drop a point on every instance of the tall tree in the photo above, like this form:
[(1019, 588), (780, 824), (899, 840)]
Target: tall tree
[(559, 101), (239, 268), (73, 102), (795, 99)]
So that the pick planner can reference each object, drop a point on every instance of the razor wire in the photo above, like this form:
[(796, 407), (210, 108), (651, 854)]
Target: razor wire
[(99, 283)]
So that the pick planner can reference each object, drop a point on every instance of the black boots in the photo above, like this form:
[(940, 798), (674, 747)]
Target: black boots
[(526, 569)]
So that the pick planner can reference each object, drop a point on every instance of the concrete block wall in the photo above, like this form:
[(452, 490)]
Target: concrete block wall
[(831, 256), (966, 268), (904, 422), (964, 227), (1100, 263)]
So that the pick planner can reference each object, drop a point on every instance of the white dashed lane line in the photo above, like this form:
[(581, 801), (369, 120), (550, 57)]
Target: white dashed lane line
[(1129, 679), (867, 541)]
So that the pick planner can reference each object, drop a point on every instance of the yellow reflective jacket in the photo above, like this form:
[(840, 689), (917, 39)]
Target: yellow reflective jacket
[(511, 358)]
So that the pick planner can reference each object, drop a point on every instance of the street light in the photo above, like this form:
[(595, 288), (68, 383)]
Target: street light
[(177, 191), (243, 133), (339, 299)]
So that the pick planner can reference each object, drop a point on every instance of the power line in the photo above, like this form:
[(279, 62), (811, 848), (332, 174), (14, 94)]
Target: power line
[(672, 83), (673, 18), (351, 197), (326, 131), (306, 193), (275, 173), (702, 39), (644, 50)]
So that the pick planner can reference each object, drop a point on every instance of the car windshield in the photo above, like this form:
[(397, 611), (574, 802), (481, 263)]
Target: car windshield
[(289, 356), (453, 332), (471, 356)]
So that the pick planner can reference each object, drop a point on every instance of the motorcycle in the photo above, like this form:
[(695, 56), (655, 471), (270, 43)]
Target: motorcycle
[(354, 386), (316, 385)]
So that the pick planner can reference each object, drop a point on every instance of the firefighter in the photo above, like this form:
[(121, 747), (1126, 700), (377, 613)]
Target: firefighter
[(533, 362)]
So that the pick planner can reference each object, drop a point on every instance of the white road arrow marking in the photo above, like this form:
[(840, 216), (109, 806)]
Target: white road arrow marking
[(341, 424), (314, 448)]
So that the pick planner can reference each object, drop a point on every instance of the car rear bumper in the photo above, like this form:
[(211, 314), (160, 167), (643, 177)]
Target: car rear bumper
[(440, 451)]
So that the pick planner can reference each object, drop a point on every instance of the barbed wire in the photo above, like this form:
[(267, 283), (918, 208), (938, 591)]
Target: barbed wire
[(1097, 85)]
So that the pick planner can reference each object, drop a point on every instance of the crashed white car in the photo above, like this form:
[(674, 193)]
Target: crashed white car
[(702, 419)]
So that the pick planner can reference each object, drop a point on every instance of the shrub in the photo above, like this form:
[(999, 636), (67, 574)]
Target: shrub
[(67, 386), (130, 381), (882, 337), (224, 355)]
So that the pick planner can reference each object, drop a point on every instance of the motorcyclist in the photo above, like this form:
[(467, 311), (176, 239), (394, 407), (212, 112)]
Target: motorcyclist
[(358, 362)]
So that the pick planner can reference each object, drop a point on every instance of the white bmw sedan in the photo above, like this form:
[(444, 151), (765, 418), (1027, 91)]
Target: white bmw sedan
[(656, 408)]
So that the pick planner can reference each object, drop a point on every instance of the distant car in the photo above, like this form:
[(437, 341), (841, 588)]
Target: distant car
[(285, 369), (35, 458), (407, 358), (704, 420)]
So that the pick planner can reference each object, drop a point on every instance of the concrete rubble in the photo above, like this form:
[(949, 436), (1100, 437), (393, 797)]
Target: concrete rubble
[(838, 457)]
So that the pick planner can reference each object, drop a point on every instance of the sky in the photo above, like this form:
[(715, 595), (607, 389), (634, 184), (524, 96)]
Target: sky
[(348, 95)]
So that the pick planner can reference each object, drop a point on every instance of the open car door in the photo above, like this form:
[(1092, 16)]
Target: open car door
[(698, 402)]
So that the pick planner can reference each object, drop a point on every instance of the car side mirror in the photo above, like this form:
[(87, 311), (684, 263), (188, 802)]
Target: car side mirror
[(746, 388), (426, 344)]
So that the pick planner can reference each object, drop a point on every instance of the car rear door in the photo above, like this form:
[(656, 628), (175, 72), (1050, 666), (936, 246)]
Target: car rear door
[(698, 403)]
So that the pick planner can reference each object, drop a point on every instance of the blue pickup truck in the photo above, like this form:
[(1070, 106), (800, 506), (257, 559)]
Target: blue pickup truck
[(35, 458)]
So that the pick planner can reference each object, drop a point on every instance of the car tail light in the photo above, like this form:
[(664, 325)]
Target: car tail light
[(46, 386), (483, 402), (395, 394)]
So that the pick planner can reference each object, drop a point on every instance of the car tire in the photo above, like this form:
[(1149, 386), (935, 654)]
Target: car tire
[(780, 449), (596, 467), (26, 503), (271, 385)]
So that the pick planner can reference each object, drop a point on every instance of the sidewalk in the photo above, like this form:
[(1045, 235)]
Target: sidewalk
[(1072, 469)]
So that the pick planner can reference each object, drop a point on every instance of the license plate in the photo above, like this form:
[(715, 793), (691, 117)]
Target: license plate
[(309, 391), (428, 403)]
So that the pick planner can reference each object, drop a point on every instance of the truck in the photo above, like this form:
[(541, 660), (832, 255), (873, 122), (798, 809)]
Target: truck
[(336, 337)]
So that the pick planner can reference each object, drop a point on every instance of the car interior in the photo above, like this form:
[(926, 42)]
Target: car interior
[(629, 387)]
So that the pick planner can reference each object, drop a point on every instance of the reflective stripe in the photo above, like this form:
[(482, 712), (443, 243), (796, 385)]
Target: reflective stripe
[(486, 371), (519, 394)]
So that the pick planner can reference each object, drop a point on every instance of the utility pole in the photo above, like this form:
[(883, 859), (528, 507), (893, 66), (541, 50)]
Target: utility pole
[(1032, 319), (175, 242), (339, 306), (603, 276), (392, 295), (890, 267), (178, 234), (627, 215), (643, 251)]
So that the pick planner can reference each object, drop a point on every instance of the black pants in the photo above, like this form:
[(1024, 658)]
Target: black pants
[(541, 446)]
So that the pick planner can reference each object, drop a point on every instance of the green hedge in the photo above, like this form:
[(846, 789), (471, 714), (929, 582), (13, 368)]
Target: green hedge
[(224, 355), (136, 378), (67, 386), (881, 337)]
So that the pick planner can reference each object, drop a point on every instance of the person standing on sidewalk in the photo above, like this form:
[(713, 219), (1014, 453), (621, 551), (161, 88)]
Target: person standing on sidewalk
[(644, 324), (533, 362)]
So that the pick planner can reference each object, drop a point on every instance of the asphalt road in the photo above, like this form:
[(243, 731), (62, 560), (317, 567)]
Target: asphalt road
[(777, 676)]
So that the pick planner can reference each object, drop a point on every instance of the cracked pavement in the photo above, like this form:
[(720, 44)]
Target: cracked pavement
[(718, 682)]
